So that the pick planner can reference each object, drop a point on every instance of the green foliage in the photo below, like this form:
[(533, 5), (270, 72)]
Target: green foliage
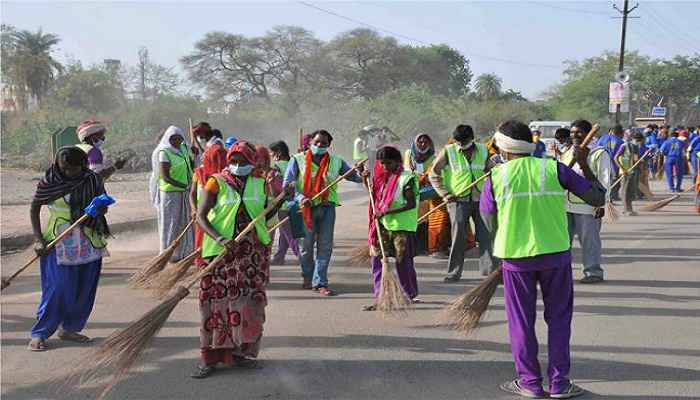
[(94, 90)]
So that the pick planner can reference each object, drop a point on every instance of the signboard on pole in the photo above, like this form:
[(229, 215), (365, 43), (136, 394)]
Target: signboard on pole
[(619, 94), (658, 111)]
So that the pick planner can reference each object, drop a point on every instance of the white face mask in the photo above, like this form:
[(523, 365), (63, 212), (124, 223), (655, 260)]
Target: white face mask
[(240, 170), (202, 142), (466, 146), (98, 143)]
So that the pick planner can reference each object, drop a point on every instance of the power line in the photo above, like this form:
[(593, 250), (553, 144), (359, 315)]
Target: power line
[(658, 20), (472, 55), (569, 9)]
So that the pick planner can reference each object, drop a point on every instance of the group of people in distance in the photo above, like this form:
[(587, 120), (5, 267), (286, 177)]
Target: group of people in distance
[(522, 217)]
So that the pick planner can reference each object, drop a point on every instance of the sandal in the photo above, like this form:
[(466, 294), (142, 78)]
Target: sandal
[(203, 371), (73, 337), (243, 362), (591, 279), (324, 291), (514, 387), (371, 307), (37, 344), (569, 392)]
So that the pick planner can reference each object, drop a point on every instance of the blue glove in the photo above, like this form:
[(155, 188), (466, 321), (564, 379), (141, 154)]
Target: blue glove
[(103, 200)]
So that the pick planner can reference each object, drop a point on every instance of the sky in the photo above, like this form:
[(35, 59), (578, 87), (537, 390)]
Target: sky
[(523, 42)]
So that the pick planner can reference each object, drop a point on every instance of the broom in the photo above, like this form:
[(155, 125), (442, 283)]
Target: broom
[(120, 351), (611, 213), (663, 203), (141, 278), (359, 256), (465, 313), (102, 200), (164, 282), (391, 297)]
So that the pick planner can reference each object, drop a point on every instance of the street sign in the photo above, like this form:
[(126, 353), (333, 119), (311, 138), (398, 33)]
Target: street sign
[(658, 111)]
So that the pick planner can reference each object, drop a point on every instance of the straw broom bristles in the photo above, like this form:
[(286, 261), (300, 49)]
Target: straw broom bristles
[(360, 255), (611, 212), (660, 204), (142, 278), (118, 353), (466, 312), (163, 283)]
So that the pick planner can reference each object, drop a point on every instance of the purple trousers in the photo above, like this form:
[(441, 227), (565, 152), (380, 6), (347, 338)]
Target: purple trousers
[(407, 276), (285, 242), (520, 292)]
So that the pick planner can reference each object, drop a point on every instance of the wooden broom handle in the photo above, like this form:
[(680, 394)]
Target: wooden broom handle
[(324, 190), (184, 231), (618, 180), (83, 218), (251, 225)]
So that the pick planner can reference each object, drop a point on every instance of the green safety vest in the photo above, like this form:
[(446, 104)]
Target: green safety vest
[(420, 168), (180, 170), (223, 216), (335, 164), (460, 173), (357, 153), (281, 166), (84, 147), (405, 220), (593, 162), (531, 206), (59, 214), (627, 155)]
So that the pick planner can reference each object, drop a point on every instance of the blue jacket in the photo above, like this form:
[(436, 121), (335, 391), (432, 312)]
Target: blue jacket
[(673, 148)]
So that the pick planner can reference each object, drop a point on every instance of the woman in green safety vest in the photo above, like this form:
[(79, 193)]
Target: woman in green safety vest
[(625, 157), (524, 204), (232, 299), (71, 270), (395, 193), (280, 155), (170, 183)]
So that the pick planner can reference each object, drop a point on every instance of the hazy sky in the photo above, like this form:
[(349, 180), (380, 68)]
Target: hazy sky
[(524, 42)]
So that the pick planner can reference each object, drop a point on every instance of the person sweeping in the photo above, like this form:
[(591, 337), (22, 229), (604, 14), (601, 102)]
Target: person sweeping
[(232, 298), (395, 194), (535, 250), (280, 155), (171, 177), (70, 271)]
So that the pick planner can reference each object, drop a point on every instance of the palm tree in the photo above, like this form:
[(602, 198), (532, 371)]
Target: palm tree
[(30, 66), (487, 86)]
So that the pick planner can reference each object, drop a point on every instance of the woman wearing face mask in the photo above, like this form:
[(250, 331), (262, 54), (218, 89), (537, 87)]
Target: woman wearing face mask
[(310, 171), (395, 192), (71, 270), (435, 235), (170, 182), (92, 136), (232, 300), (457, 166), (280, 156)]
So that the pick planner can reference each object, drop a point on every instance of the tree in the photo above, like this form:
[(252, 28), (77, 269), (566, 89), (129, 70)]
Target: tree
[(487, 86), (28, 67), (94, 89), (151, 81), (444, 70)]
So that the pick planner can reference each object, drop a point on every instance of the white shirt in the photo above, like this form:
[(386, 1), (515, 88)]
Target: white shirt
[(604, 175)]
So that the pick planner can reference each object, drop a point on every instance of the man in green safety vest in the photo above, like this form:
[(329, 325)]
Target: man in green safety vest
[(457, 166)]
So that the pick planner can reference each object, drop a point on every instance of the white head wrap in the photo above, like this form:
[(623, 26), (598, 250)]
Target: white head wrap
[(153, 184), (510, 145)]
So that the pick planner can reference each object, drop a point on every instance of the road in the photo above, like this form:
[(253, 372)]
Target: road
[(634, 337)]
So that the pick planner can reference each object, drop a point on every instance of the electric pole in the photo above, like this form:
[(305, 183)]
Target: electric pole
[(625, 12)]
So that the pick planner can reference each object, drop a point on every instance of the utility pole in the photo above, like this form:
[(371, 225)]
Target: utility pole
[(625, 12)]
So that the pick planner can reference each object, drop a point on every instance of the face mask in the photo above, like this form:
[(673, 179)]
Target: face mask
[(466, 146), (425, 150), (240, 170), (318, 150), (98, 143)]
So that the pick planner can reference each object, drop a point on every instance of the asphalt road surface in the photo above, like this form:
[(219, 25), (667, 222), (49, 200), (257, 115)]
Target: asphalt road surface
[(636, 336)]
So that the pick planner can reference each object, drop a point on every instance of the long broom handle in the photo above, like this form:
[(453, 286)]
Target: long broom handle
[(377, 222), (83, 218), (192, 138), (618, 180), (182, 234), (220, 258), (324, 190)]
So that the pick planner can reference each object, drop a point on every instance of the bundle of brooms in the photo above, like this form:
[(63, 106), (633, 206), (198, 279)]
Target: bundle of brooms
[(119, 352), (163, 282), (464, 314), (360, 255), (611, 213), (143, 278)]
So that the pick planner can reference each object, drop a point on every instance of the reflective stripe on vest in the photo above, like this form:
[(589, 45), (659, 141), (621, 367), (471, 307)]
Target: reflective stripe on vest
[(223, 215), (405, 220), (460, 173), (180, 170), (335, 164), (59, 214), (531, 209)]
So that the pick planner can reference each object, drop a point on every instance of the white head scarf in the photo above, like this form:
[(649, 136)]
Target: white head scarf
[(153, 184), (510, 145)]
